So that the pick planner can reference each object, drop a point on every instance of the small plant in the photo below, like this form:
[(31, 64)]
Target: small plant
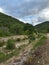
[(10, 44), (18, 39), (31, 37), (1, 44), (25, 38), (2, 56), (40, 42)]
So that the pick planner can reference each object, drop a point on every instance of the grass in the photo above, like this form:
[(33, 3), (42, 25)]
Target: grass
[(10, 44), (1, 44), (18, 39), (11, 51), (40, 42), (4, 57)]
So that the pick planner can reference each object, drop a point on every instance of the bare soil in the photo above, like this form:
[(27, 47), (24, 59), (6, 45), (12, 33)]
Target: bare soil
[(40, 56)]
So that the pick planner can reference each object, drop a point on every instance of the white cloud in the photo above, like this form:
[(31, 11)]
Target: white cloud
[(20, 9), (44, 14), (1, 10), (32, 19)]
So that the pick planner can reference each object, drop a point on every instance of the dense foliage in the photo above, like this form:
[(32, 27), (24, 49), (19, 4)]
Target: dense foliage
[(2, 43), (11, 26), (43, 27)]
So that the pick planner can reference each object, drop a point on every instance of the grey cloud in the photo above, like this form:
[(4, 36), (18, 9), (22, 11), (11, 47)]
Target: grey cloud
[(22, 8)]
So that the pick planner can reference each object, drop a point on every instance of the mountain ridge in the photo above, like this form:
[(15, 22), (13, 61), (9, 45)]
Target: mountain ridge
[(10, 26), (43, 27)]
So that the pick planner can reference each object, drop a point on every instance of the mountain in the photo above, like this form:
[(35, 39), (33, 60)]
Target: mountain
[(12, 26), (43, 27)]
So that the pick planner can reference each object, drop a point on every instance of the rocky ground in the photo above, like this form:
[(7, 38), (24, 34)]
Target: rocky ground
[(22, 57), (40, 56)]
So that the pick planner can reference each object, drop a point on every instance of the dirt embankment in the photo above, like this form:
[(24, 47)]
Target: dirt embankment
[(12, 37), (40, 56)]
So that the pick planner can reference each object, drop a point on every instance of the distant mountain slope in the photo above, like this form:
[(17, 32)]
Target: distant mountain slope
[(43, 27), (12, 26)]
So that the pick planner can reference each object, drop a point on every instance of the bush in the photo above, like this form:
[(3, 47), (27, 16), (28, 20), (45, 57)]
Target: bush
[(2, 57), (1, 44), (40, 42), (24, 38), (10, 44), (31, 37), (18, 39)]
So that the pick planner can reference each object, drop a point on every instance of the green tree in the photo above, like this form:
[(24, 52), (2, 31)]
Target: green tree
[(28, 28)]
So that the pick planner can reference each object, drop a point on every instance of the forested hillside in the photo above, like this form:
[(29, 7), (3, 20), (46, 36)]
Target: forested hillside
[(43, 27), (12, 26)]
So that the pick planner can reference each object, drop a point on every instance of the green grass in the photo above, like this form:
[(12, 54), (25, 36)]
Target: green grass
[(18, 40), (4, 57), (1, 44), (10, 44), (40, 42)]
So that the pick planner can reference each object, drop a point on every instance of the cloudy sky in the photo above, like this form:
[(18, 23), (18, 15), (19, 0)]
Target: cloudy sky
[(28, 11)]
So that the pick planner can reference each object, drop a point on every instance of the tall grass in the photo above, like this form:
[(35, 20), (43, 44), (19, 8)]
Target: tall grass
[(4, 57), (40, 42), (2, 43)]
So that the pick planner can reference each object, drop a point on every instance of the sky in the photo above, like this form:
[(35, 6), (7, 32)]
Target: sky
[(28, 11)]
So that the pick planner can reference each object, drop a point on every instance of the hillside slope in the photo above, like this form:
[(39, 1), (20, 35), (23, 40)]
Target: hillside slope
[(40, 56), (43, 27), (12, 26)]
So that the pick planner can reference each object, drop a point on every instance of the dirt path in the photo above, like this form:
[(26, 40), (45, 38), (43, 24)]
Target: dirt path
[(18, 44), (47, 50), (21, 57), (40, 56), (12, 37)]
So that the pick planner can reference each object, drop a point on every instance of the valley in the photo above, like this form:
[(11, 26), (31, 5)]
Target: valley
[(22, 43)]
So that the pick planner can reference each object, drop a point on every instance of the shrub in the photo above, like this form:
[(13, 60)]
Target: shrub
[(2, 57), (24, 38), (40, 42), (1, 44), (18, 39), (10, 44)]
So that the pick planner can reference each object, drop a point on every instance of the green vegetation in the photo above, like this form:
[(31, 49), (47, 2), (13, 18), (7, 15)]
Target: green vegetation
[(10, 44), (40, 42), (31, 37), (18, 39), (4, 57), (43, 27), (25, 38), (28, 29), (10, 50), (1, 44), (11, 26)]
